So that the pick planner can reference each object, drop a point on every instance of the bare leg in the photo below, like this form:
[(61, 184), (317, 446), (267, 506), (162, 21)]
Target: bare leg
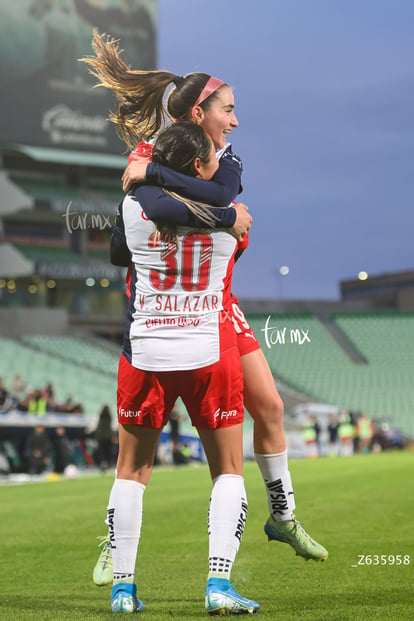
[(263, 403), (224, 449), (137, 446)]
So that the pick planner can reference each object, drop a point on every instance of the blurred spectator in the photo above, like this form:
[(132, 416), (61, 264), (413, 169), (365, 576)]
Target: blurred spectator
[(4, 462), (332, 430), (38, 450), (49, 394), (37, 400), (310, 436), (393, 438), (103, 434), (10, 452), (365, 431), (6, 402), (346, 434), (387, 437), (175, 419), (317, 428), (37, 403), (62, 450), (48, 391), (181, 454), (353, 416), (69, 407), (17, 388)]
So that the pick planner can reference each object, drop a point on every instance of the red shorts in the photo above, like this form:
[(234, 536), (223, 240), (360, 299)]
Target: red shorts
[(246, 339), (213, 395)]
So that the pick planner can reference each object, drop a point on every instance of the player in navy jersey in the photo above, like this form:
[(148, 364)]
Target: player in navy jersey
[(209, 102)]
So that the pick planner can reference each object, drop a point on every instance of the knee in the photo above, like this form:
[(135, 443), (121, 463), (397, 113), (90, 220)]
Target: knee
[(277, 408), (138, 476), (268, 410)]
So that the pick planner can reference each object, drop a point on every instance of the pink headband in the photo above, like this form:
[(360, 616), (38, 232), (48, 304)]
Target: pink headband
[(212, 85)]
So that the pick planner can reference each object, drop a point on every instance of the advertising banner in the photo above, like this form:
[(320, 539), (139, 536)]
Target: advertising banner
[(47, 95)]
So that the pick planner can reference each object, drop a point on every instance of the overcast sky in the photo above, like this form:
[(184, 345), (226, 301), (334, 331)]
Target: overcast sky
[(325, 100)]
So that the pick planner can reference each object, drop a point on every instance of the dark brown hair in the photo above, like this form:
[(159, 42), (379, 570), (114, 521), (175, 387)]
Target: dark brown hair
[(180, 144)]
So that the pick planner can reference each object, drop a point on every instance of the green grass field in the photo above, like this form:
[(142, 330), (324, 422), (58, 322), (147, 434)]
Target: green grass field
[(363, 505)]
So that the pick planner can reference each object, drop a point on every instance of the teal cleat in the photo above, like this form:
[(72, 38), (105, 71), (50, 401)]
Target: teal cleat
[(124, 598), (222, 599), (103, 573), (293, 533)]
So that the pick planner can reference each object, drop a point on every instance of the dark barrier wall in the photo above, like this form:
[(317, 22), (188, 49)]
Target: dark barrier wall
[(47, 99)]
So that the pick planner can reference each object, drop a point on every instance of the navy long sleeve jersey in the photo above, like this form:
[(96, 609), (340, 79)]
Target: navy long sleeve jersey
[(163, 209)]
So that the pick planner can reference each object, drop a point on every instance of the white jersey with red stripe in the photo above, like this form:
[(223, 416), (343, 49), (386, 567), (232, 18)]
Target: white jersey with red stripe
[(180, 294)]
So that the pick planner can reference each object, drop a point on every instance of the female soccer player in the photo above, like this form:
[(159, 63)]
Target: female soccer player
[(209, 102), (180, 297)]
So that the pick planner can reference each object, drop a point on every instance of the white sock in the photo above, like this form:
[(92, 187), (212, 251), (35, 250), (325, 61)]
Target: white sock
[(226, 520), (124, 519), (279, 488), (106, 516)]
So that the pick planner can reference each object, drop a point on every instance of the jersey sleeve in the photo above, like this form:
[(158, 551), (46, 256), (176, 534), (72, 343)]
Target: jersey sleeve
[(164, 209), (118, 250), (219, 191), (241, 247)]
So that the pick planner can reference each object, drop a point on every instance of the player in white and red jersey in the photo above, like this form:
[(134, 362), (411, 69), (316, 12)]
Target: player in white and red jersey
[(158, 209), (180, 303), (179, 342)]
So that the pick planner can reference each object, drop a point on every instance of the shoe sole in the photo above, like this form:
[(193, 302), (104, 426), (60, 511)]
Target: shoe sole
[(271, 537), (221, 612)]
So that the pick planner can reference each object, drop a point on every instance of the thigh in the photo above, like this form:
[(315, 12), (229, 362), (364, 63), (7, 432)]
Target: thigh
[(260, 392), (213, 395)]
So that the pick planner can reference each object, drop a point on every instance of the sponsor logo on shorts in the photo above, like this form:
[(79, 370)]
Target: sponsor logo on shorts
[(129, 413), (224, 414)]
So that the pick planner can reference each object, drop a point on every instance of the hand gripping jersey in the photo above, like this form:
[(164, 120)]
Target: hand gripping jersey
[(178, 315)]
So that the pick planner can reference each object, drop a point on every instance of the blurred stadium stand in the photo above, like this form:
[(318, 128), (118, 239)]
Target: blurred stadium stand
[(368, 369), (83, 381), (62, 304), (362, 363)]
